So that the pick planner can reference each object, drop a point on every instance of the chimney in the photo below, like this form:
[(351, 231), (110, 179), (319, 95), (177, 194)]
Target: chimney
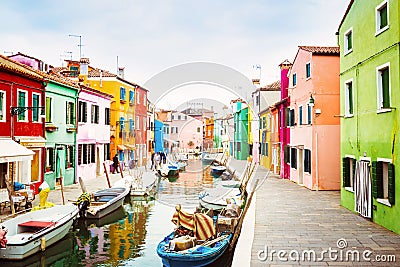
[(84, 66), (121, 72), (285, 67)]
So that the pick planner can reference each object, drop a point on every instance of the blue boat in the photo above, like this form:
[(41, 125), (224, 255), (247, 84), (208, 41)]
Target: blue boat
[(199, 255), (217, 170)]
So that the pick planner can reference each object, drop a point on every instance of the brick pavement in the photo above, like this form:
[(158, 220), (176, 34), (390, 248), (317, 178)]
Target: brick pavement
[(294, 219)]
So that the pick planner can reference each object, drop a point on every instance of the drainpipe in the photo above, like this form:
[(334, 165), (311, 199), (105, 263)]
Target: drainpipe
[(316, 160), (76, 133)]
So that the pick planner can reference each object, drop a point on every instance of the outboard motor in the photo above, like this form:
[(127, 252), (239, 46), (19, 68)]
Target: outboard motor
[(83, 203)]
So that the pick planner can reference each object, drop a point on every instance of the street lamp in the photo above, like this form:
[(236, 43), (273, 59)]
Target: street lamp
[(311, 101), (80, 43)]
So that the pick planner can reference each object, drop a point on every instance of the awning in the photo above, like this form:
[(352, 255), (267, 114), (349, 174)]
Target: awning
[(122, 147), (131, 147), (31, 141), (12, 151)]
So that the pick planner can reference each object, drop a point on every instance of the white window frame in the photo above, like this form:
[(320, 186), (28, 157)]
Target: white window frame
[(38, 121), (144, 123), (352, 174), (138, 97), (379, 88), (144, 99), (347, 99), (345, 36), (300, 117), (3, 108), (378, 18), (137, 126), (385, 182), (294, 75), (25, 105)]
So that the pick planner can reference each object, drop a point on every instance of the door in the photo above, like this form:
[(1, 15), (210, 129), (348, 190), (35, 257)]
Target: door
[(363, 189), (35, 166), (301, 165), (98, 171), (60, 164)]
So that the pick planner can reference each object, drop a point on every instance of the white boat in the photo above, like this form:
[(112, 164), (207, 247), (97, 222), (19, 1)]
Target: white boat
[(105, 201), (216, 198), (34, 231), (141, 186)]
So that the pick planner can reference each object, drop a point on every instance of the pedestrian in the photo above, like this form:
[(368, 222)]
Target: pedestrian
[(115, 163), (152, 160)]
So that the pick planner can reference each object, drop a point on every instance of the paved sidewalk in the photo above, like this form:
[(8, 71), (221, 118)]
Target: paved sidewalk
[(298, 221)]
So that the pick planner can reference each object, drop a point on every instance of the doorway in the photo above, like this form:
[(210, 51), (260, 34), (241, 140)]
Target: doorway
[(301, 165)]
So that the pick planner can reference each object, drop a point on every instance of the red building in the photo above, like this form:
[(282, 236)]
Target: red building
[(21, 98), (141, 125)]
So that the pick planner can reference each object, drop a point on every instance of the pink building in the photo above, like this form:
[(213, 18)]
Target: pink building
[(93, 136), (185, 129), (314, 128)]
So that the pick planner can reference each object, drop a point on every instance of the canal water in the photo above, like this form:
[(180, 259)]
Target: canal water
[(129, 236)]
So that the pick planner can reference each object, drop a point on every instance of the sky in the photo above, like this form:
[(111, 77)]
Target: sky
[(148, 37)]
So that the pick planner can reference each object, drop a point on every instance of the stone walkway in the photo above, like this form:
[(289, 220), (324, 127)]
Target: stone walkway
[(299, 223)]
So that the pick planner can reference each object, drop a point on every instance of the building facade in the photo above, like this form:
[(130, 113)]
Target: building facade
[(369, 36)]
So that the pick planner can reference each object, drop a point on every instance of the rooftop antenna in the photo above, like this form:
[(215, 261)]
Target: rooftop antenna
[(80, 43)]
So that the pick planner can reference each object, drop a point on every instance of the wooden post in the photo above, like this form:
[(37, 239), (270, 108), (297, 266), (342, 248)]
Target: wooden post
[(121, 169), (62, 187), (239, 225), (108, 178), (83, 187)]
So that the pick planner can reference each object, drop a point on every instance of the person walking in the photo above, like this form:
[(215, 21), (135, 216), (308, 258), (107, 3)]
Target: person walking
[(115, 163)]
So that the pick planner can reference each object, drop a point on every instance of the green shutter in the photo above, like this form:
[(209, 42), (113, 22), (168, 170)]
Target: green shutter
[(391, 182), (374, 183), (350, 85), (379, 179), (385, 88), (354, 171), (346, 172), (383, 17), (48, 109)]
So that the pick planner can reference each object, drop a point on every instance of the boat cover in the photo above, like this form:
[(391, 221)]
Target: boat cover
[(201, 224)]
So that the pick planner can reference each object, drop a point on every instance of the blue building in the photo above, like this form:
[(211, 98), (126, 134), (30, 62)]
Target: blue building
[(158, 136)]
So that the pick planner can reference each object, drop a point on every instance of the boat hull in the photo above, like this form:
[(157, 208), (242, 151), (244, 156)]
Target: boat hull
[(109, 206), (208, 256), (18, 249)]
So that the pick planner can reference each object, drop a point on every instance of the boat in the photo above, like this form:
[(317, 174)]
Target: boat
[(169, 170), (217, 170), (34, 231), (218, 198), (181, 165), (140, 186), (207, 158), (205, 246), (104, 202)]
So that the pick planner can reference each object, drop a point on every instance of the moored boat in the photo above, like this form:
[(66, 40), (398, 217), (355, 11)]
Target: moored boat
[(217, 170), (32, 232)]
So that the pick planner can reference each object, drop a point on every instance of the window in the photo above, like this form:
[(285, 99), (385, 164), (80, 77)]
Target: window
[(144, 123), (308, 70), (86, 153), (294, 79), (307, 160), (22, 102), (70, 156), (173, 117), (293, 157), (349, 168), (348, 104), (257, 100), (95, 114), (130, 124), (144, 99), (122, 93), (300, 115), (138, 97), (70, 110), (2, 106), (291, 117), (121, 123), (309, 114), (198, 129), (107, 116), (35, 103), (137, 123), (348, 41), (286, 154), (383, 80), (383, 177), (82, 111), (382, 17), (49, 109), (49, 159), (131, 97), (107, 152)]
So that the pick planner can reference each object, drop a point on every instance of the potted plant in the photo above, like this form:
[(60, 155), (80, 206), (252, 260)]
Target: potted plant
[(48, 168), (69, 165)]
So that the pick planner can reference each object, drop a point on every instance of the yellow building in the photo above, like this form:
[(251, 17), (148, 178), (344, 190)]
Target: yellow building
[(265, 158), (122, 108)]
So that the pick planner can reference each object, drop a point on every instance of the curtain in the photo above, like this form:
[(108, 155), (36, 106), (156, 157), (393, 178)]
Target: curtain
[(362, 189)]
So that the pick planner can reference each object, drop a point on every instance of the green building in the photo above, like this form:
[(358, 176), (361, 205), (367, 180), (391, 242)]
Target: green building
[(61, 97), (241, 144), (369, 87)]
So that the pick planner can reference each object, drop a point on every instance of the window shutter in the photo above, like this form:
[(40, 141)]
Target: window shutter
[(67, 111), (354, 171), (374, 183), (385, 88), (93, 153), (346, 172), (84, 112), (377, 179), (79, 154), (383, 17), (391, 182)]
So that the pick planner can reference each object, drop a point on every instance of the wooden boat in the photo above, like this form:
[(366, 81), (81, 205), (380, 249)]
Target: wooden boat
[(140, 186), (200, 255), (169, 170), (217, 170), (106, 201), (207, 158), (217, 199), (194, 243), (32, 232)]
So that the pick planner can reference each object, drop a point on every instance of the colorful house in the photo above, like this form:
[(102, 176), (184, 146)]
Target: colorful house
[(186, 130), (61, 102), (141, 125), (21, 107), (314, 128), (369, 37), (240, 138), (208, 132), (284, 130), (122, 109), (158, 136)]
